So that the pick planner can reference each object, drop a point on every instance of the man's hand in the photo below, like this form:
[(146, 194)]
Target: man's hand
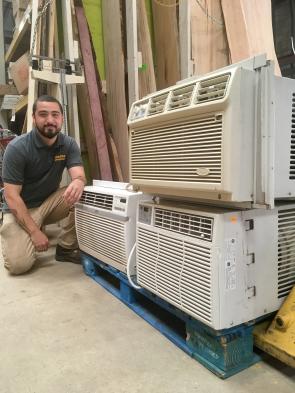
[(74, 191), (39, 240)]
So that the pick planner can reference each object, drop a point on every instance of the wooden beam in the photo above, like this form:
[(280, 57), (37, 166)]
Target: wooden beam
[(209, 41), (249, 29), (166, 44), (146, 75), (89, 132), (7, 89), (185, 39), (94, 101), (132, 51), (19, 72), (23, 28), (52, 29), (69, 53), (21, 104), (32, 89), (93, 12), (115, 80)]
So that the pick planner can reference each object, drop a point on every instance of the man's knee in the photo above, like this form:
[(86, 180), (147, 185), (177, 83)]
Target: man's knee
[(19, 266)]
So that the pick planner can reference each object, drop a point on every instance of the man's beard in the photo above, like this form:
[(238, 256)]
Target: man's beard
[(48, 131)]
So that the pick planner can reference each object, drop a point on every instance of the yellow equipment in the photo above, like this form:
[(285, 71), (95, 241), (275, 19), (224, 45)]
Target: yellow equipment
[(278, 338)]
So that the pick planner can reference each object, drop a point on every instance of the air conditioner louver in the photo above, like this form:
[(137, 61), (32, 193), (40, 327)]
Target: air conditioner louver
[(96, 234), (292, 147), (181, 97), (102, 201), (179, 151), (188, 224), (177, 271), (212, 89), (157, 104), (286, 251)]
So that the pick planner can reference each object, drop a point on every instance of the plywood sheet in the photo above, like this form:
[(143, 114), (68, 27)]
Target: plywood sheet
[(115, 80), (93, 94), (209, 41), (146, 74), (249, 29), (166, 44)]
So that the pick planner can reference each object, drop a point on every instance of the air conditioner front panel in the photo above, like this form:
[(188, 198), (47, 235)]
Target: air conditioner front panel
[(102, 237), (177, 271), (179, 151)]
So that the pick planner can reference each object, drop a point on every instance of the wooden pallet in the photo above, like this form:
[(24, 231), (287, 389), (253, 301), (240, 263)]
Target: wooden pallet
[(224, 352)]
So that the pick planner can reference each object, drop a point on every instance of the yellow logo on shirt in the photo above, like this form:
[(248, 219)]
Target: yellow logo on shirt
[(60, 157)]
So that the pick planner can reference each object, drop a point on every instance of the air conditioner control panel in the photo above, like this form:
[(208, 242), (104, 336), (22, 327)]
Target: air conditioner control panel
[(120, 204)]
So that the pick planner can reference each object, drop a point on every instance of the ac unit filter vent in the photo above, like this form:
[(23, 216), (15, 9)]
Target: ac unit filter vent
[(292, 151), (157, 104), (181, 97), (188, 224), (179, 151), (177, 271), (212, 89), (286, 251), (97, 233), (103, 201)]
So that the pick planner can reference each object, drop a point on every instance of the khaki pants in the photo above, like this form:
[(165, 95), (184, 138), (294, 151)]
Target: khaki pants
[(17, 248)]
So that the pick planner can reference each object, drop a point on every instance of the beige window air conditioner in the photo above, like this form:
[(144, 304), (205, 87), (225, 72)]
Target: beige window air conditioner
[(221, 266), (106, 222), (226, 136)]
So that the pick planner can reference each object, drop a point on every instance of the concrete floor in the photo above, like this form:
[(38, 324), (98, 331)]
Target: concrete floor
[(60, 332)]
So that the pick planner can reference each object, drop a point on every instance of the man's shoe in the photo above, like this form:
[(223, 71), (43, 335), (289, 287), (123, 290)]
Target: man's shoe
[(68, 255)]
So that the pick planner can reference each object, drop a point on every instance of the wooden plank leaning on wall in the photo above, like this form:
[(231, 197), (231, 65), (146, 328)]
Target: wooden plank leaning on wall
[(251, 22), (166, 43), (96, 118), (209, 41), (115, 80), (146, 75)]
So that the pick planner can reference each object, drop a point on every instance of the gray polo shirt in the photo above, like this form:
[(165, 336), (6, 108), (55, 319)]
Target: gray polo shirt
[(29, 162)]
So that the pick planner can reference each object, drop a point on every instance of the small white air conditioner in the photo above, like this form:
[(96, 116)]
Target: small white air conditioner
[(227, 136), (106, 222), (220, 266)]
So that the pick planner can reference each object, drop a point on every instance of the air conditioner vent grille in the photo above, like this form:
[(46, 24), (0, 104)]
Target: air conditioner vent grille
[(199, 227), (103, 201), (182, 152), (286, 251), (157, 104), (212, 89), (292, 147), (177, 271), (101, 235), (181, 97)]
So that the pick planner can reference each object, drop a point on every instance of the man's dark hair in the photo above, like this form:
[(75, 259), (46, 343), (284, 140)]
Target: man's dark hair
[(46, 98)]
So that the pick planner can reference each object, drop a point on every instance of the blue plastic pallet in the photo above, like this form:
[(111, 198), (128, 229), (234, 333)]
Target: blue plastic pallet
[(224, 352)]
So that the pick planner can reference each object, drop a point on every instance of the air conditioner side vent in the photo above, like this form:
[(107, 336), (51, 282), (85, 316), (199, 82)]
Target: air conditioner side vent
[(181, 97), (212, 89), (157, 104), (286, 248), (292, 147), (102, 201), (195, 226)]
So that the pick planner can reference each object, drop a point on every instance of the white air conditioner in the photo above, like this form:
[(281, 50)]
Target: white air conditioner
[(220, 266), (226, 136), (106, 222)]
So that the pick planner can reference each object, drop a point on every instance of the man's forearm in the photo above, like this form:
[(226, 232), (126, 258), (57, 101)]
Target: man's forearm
[(22, 215)]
